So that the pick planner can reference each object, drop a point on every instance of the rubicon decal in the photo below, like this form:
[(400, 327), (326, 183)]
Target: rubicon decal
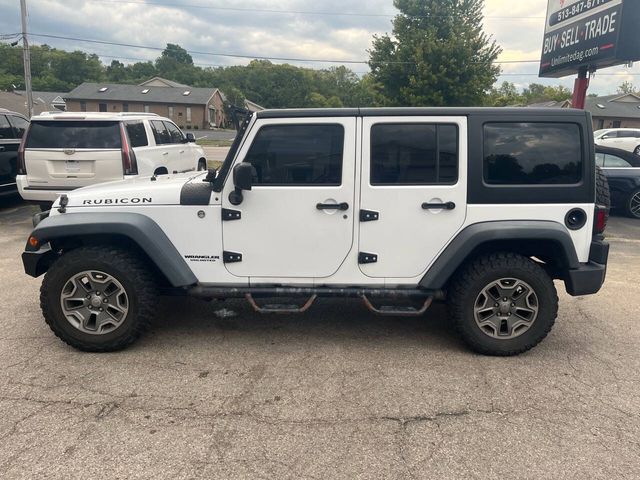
[(118, 201)]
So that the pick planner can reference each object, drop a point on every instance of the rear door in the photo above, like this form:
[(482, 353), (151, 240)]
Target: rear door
[(73, 153), (414, 194), (9, 143), (297, 221)]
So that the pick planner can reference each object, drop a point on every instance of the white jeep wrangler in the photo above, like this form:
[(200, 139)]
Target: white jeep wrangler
[(483, 208)]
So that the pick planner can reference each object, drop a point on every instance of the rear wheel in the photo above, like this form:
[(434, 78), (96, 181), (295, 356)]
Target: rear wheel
[(633, 205), (503, 304), (98, 299)]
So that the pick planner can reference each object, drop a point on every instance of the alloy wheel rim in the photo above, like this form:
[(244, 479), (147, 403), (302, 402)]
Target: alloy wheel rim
[(634, 205), (94, 302), (506, 308)]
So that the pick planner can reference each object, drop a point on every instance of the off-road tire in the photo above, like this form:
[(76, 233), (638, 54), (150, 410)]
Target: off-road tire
[(603, 194), (469, 282), (128, 269)]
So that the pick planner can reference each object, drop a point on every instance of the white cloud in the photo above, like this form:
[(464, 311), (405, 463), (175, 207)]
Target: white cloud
[(273, 34)]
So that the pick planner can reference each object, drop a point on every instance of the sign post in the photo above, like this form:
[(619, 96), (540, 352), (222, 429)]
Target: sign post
[(582, 36)]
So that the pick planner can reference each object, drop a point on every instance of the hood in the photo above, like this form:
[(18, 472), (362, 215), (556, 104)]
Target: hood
[(161, 190)]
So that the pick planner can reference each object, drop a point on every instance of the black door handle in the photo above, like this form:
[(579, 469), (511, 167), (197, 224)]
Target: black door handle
[(333, 206), (439, 206)]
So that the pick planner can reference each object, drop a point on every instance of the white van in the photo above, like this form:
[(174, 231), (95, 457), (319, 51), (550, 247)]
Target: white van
[(65, 151)]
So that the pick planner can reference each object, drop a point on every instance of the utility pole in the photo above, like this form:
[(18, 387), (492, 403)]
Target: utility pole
[(26, 57)]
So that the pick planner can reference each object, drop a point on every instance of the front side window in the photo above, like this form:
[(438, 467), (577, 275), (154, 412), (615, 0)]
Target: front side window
[(74, 134), (532, 154), (160, 132), (298, 155), (20, 125), (174, 132), (613, 161), (414, 154), (5, 128), (137, 134)]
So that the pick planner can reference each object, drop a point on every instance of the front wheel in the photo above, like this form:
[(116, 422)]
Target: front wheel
[(98, 299), (503, 304), (202, 165), (633, 205)]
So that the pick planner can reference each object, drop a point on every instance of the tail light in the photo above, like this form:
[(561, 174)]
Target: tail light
[(21, 167), (600, 220), (129, 162)]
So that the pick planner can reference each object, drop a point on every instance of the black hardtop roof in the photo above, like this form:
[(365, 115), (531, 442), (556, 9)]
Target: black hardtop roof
[(418, 111)]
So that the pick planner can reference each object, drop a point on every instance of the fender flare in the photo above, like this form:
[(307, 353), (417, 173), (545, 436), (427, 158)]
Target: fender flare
[(139, 228), (458, 251)]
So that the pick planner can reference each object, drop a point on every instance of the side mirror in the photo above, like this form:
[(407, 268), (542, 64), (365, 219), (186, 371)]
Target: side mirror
[(243, 180), (191, 138)]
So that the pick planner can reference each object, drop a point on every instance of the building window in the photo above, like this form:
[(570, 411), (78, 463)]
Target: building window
[(170, 112), (146, 109), (125, 107), (102, 107), (83, 106), (617, 124), (189, 114)]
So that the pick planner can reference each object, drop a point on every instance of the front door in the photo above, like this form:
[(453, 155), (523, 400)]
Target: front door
[(414, 192), (298, 220)]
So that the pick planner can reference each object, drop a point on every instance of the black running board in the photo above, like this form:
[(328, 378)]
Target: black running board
[(217, 292)]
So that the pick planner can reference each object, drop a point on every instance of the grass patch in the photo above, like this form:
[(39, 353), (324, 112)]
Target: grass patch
[(213, 164), (205, 142)]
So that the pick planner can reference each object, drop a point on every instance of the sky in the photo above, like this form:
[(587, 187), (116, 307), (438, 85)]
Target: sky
[(294, 29)]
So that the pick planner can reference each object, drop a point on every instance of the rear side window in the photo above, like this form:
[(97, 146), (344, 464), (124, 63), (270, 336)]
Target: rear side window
[(298, 155), (532, 154), (160, 132), (414, 154), (5, 128), (74, 134), (137, 134), (19, 125)]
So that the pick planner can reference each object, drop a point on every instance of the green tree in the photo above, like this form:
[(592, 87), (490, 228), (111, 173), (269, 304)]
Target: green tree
[(503, 96), (627, 87), (438, 55)]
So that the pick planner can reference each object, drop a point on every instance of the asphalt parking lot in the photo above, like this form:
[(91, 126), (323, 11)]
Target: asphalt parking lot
[(216, 391)]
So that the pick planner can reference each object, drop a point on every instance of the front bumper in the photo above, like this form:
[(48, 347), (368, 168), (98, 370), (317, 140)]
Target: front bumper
[(37, 262), (589, 278)]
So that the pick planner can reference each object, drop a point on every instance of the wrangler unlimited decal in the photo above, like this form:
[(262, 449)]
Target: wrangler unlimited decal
[(117, 201)]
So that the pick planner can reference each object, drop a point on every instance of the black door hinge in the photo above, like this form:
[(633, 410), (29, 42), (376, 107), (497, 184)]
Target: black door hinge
[(366, 258), (369, 216), (229, 215), (231, 257)]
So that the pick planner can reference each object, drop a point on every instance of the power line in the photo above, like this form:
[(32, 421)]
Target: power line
[(252, 57), (199, 64), (293, 12)]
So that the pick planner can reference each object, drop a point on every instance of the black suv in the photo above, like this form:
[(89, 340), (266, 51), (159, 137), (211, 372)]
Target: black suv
[(12, 128)]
